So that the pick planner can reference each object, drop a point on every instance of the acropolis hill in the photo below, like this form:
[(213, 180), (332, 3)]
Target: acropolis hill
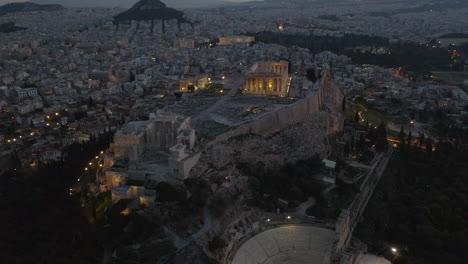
[(288, 133), (170, 147)]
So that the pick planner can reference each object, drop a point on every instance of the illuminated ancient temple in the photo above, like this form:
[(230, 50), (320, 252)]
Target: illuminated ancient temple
[(267, 78)]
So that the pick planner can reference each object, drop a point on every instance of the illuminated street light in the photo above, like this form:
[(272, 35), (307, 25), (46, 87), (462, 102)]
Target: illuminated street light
[(288, 217), (268, 220), (90, 163), (85, 169), (394, 250)]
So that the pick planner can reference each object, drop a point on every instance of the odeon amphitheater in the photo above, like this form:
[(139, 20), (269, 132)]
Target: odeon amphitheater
[(298, 244)]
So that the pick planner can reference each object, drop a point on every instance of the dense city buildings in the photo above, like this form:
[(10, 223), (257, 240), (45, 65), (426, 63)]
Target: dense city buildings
[(256, 132)]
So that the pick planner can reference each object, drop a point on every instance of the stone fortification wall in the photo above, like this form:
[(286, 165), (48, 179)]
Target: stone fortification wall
[(349, 217), (293, 133), (327, 97)]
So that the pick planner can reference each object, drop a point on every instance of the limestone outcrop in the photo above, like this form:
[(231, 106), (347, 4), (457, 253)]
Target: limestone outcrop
[(294, 143), (288, 135)]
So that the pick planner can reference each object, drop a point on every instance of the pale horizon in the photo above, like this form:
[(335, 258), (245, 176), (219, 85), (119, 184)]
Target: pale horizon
[(127, 3)]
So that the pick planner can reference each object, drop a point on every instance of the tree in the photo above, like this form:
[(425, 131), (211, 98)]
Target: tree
[(401, 135), (410, 138), (168, 193), (191, 88), (343, 104), (217, 205), (356, 117), (421, 138), (90, 102), (346, 149), (429, 144), (311, 76), (217, 243), (381, 143)]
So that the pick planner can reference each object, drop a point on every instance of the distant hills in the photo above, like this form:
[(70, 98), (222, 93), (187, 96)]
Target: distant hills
[(10, 27), (27, 7), (150, 10), (129, 3)]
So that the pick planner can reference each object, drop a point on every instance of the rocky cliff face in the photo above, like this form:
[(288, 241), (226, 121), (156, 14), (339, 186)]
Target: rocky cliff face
[(288, 145), (297, 140)]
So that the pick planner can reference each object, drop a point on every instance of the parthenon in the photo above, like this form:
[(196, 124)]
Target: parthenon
[(267, 78)]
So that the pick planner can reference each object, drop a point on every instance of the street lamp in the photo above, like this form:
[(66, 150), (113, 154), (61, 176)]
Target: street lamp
[(394, 252)]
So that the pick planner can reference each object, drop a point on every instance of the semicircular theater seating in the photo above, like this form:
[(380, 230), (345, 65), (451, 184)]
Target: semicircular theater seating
[(298, 244)]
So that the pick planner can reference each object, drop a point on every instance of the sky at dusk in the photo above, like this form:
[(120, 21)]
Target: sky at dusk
[(123, 3)]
